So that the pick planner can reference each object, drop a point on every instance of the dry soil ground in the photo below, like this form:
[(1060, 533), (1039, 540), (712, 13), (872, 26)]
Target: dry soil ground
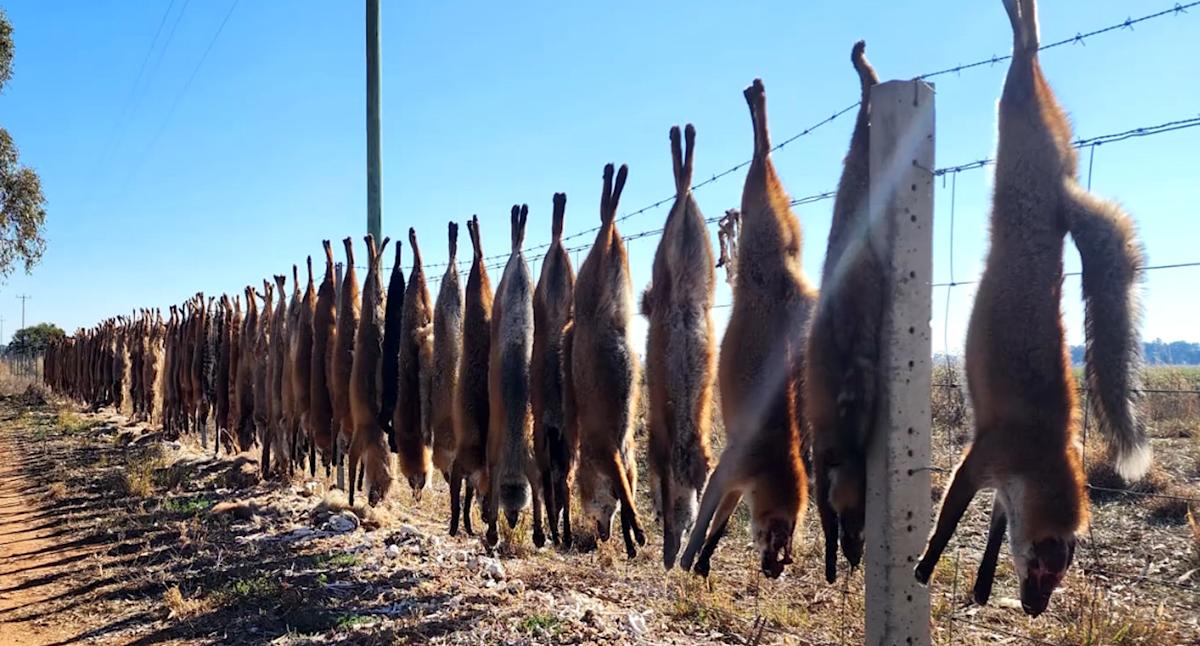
[(108, 534)]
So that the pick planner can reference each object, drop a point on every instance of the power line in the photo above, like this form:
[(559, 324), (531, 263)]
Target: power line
[(130, 100), (183, 91), (1078, 38), (167, 43)]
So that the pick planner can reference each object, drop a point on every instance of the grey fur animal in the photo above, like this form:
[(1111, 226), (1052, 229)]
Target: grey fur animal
[(510, 444), (680, 356)]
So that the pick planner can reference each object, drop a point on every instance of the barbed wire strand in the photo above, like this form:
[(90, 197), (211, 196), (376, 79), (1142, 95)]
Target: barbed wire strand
[(1078, 38)]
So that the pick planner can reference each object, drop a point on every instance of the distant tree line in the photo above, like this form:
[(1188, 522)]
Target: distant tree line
[(33, 340), (1158, 352)]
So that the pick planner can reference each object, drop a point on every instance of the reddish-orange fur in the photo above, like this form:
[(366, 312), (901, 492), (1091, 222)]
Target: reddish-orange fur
[(368, 443), (552, 301), (1018, 369), (471, 401), (759, 372), (319, 419), (604, 369)]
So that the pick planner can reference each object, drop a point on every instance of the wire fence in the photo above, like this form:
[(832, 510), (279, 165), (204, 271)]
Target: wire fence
[(956, 614)]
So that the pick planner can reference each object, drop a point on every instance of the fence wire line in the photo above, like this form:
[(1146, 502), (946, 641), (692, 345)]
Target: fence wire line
[(952, 171), (1078, 38)]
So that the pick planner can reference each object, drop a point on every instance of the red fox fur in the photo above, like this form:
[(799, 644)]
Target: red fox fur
[(245, 366), (233, 424), (1026, 415), (368, 444), (680, 356), (262, 396), (342, 348), (843, 347), (551, 314), (411, 418), (471, 399), (303, 366), (759, 372), (447, 353), (280, 438), (287, 388), (318, 421), (509, 444), (602, 381)]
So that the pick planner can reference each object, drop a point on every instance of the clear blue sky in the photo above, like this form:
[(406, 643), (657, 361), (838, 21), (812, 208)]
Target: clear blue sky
[(487, 104)]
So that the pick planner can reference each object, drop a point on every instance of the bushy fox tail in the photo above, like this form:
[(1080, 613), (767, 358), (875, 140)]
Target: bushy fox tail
[(1111, 256)]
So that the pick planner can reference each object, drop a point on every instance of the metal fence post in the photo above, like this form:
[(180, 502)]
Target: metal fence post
[(898, 502)]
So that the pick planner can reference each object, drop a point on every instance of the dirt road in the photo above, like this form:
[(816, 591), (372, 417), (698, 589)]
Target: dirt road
[(38, 554)]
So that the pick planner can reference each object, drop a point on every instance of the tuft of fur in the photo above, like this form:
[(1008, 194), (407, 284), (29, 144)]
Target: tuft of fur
[(762, 357), (680, 356), (844, 347), (1111, 255)]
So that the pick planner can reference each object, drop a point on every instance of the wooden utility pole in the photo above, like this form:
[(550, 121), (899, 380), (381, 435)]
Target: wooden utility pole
[(374, 160), (901, 215), (23, 297)]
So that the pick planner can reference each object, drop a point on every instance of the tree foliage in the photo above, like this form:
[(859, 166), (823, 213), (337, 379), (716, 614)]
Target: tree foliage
[(1157, 352), (22, 204), (34, 339)]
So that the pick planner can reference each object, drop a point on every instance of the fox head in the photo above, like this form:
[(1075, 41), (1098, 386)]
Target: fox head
[(1041, 536), (599, 508), (417, 481), (847, 493), (1040, 566), (773, 540), (379, 477)]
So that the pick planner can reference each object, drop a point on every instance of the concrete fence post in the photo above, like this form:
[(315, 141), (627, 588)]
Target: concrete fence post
[(898, 501)]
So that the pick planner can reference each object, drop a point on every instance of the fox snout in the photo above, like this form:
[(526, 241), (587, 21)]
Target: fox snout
[(604, 528), (417, 482), (1036, 590), (776, 548), (1045, 572)]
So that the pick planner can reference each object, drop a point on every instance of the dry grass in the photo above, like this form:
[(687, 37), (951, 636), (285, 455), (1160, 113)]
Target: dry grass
[(178, 606), (140, 473), (1193, 521), (72, 423), (56, 491), (1173, 506)]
